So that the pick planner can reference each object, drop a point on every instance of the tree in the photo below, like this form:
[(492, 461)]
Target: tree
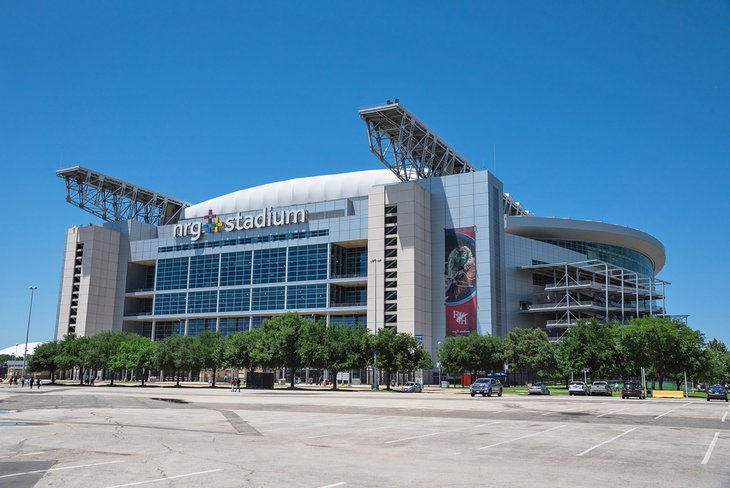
[(591, 345), (210, 351), (44, 359), (176, 353), (238, 351), (99, 349), (453, 355), (345, 349), (279, 344), (530, 350), (135, 353), (385, 346), (71, 354)]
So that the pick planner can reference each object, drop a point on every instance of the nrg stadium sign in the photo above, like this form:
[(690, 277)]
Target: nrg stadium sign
[(213, 224)]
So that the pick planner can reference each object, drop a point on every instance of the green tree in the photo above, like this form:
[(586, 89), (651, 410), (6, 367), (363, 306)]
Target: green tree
[(210, 351), (176, 353), (452, 355), (530, 350), (99, 349), (71, 354), (44, 359), (279, 344), (239, 350), (385, 348), (135, 353), (591, 345)]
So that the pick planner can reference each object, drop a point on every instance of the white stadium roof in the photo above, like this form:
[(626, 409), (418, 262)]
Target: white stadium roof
[(18, 349), (294, 192)]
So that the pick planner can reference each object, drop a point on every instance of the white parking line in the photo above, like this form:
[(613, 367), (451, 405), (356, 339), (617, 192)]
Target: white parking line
[(723, 417), (58, 469), (165, 479), (612, 411), (710, 448), (333, 485), (349, 432), (440, 432), (606, 442), (672, 410), (579, 407), (520, 438)]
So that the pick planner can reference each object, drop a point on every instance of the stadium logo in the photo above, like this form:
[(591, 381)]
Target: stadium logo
[(212, 224)]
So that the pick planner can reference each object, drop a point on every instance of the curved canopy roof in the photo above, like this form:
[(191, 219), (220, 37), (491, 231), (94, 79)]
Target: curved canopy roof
[(294, 192), (589, 231)]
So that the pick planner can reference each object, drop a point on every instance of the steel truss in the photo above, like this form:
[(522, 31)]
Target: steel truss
[(593, 289), (412, 151), (113, 200)]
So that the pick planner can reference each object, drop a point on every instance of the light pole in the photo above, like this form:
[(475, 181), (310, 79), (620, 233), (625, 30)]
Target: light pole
[(27, 329), (375, 262), (439, 347)]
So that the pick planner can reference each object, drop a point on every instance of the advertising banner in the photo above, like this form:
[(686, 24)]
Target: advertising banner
[(461, 281)]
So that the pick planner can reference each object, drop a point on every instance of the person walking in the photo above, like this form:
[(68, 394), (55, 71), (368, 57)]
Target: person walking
[(31, 382), (238, 384), (38, 384), (233, 384)]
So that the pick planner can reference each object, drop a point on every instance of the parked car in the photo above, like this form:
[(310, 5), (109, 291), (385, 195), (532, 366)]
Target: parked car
[(412, 387), (485, 387), (633, 389), (716, 392), (578, 388), (600, 388), (538, 389)]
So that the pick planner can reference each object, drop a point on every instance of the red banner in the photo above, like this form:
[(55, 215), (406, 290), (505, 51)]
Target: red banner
[(461, 281)]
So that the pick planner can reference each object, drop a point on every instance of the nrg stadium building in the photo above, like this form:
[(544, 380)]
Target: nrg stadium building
[(428, 245)]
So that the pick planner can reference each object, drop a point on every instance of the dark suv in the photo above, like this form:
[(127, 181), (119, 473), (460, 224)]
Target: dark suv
[(633, 389)]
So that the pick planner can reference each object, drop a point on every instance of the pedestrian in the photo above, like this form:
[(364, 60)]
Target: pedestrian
[(31, 382), (38, 384), (238, 384), (233, 385)]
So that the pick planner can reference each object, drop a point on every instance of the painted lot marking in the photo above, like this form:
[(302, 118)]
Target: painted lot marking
[(59, 469), (349, 432), (341, 483), (166, 478), (440, 432), (521, 437), (723, 417), (612, 411), (606, 442), (706, 459), (672, 410)]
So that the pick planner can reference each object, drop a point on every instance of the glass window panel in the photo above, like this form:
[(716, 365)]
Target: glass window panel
[(202, 301), (236, 268), (307, 262), (231, 325), (269, 298), (204, 271), (306, 296), (170, 304), (236, 300), (172, 274), (269, 265)]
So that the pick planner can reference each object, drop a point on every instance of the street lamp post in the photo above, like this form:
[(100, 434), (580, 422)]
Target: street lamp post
[(27, 329), (374, 385), (439, 347)]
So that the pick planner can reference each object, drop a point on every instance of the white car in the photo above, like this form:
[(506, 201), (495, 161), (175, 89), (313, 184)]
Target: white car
[(412, 387), (578, 388)]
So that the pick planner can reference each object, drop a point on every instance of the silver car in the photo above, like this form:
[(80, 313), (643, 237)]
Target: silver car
[(578, 388), (412, 387), (538, 389), (485, 387), (601, 388)]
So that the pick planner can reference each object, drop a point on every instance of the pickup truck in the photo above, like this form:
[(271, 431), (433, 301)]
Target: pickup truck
[(485, 387)]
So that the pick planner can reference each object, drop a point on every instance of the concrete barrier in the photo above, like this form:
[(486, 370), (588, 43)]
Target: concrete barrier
[(667, 394)]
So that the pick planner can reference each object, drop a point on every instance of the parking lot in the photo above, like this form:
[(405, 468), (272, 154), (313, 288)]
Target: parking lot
[(118, 437)]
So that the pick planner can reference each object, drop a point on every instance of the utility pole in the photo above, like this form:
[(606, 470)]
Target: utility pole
[(375, 385), (27, 329)]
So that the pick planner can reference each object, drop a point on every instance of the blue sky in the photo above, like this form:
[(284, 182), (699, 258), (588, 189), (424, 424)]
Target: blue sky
[(610, 111)]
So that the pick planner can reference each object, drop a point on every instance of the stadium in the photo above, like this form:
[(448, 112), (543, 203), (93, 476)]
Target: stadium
[(428, 245)]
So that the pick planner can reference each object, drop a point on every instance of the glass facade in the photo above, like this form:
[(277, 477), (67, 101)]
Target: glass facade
[(268, 298), (170, 304), (257, 322), (172, 274), (307, 263), (196, 326), (350, 320), (348, 296), (166, 329), (236, 268), (304, 234), (618, 256), (349, 262), (202, 301), (269, 265), (235, 300), (204, 271), (231, 325), (306, 296)]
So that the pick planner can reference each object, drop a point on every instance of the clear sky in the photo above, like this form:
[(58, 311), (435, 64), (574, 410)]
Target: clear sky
[(610, 111)]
